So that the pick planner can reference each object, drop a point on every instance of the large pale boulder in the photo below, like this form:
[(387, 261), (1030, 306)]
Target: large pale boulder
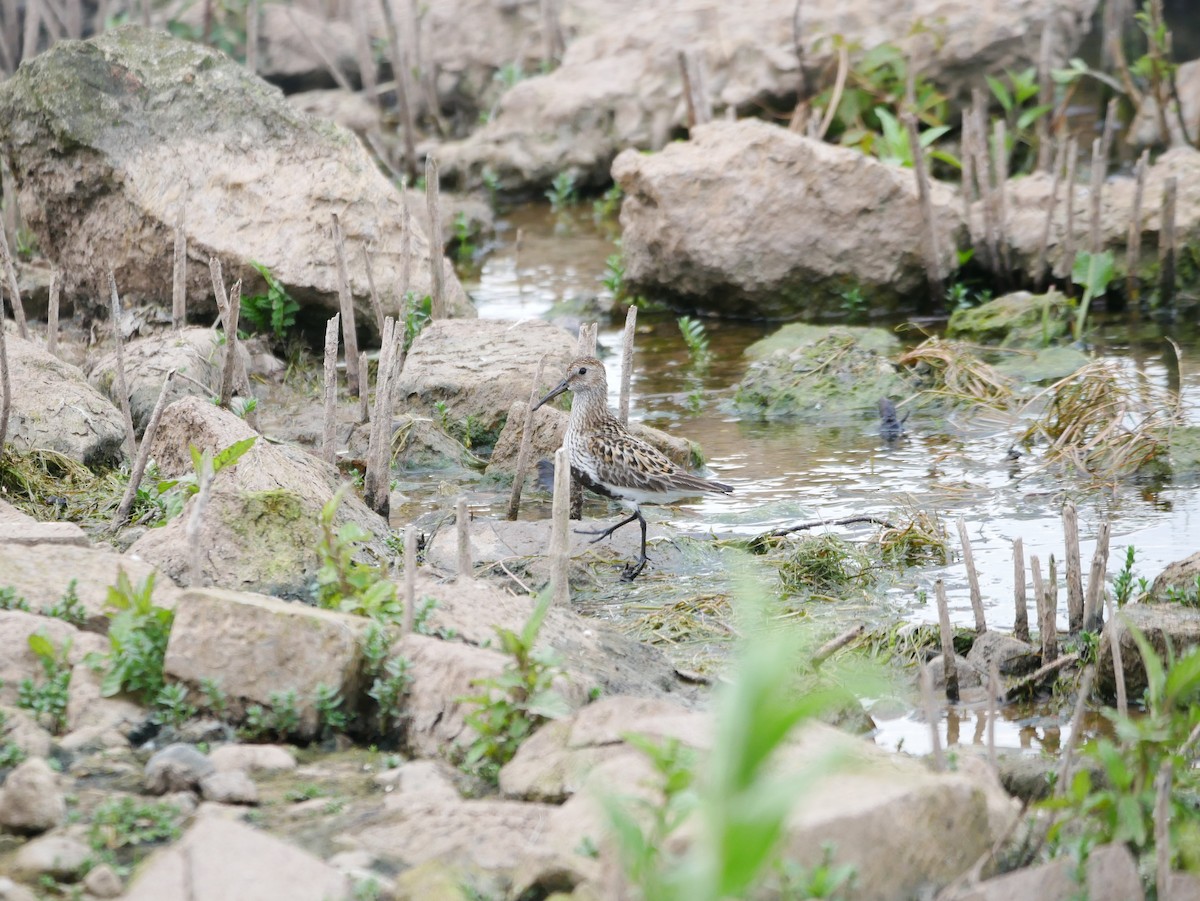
[(114, 140), (1179, 575), (258, 647), (751, 220), (31, 800), (43, 575), (261, 528), (219, 858), (478, 368), (1171, 629), (54, 408), (619, 84)]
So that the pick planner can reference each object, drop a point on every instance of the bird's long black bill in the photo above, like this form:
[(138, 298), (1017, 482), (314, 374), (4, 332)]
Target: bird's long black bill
[(554, 392)]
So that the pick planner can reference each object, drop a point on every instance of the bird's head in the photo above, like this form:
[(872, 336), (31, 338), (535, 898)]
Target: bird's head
[(585, 375)]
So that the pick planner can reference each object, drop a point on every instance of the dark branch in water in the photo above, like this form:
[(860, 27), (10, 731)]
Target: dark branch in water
[(846, 521)]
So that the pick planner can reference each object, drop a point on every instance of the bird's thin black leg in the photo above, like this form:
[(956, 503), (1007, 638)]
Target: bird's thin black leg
[(632, 570), (604, 533)]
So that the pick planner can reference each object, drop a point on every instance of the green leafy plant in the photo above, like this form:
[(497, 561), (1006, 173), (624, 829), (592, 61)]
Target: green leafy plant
[(214, 698), (608, 204), (892, 146), (328, 702), (127, 822), (171, 706), (274, 312), (137, 636), (561, 192), (696, 339), (10, 600), (165, 498), (344, 583), (463, 236), (854, 304), (387, 691), (1093, 272), (68, 608), (614, 274), (278, 719), (417, 313), (510, 706), (1121, 807), (1017, 94), (47, 700), (1123, 581)]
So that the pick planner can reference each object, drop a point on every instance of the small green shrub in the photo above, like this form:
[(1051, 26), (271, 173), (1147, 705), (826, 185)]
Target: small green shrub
[(342, 582), (137, 637), (10, 600), (328, 702), (68, 608), (510, 706), (171, 707), (271, 313), (696, 339), (123, 823), (562, 192), (47, 699), (279, 719)]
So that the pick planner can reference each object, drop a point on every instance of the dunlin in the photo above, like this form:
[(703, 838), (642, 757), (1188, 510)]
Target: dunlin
[(606, 458)]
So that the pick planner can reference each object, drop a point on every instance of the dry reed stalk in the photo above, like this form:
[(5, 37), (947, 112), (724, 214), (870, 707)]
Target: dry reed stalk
[(933, 275), (1166, 246), (5, 385), (192, 531), (1068, 754), (122, 385), (436, 271), (1110, 130), (688, 98), (995, 697), (406, 259), (376, 492), (1021, 617), (231, 343), (328, 436), (949, 663), (831, 647), (410, 578), (1069, 235), (1000, 173), (364, 388), (143, 456), (514, 499), (363, 52), (560, 541), (1046, 613), (1070, 517), (462, 528), (400, 71), (932, 716), (1114, 641), (585, 344), (52, 312), (1162, 829), (14, 289), (241, 376), (968, 185), (972, 577), (252, 23), (552, 36), (983, 177), (1134, 241), (1093, 609), (1045, 96), (179, 278), (1096, 243), (627, 340), (327, 61), (1040, 269), (346, 306), (376, 305)]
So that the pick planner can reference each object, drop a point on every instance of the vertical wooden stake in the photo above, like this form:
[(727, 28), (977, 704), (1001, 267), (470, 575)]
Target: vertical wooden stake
[(410, 577), (1114, 640), (231, 343), (463, 528), (1166, 246), (1069, 235), (1046, 618), (376, 304), (514, 499), (933, 275), (1096, 243), (1040, 270), (364, 388), (560, 541), (14, 289), (376, 493), (329, 436), (1045, 95), (1093, 607), (252, 36), (972, 577), (400, 73), (346, 305), (143, 457), (1133, 281), (1021, 618), (929, 700), (436, 271), (1000, 172), (52, 313), (122, 385), (179, 278), (627, 362), (949, 664), (1074, 568)]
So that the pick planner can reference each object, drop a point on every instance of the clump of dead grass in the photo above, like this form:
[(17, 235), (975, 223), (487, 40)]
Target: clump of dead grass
[(1105, 420), (825, 565), (952, 371), (916, 538)]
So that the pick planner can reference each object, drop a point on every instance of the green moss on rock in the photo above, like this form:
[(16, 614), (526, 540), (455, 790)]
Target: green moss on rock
[(1020, 319)]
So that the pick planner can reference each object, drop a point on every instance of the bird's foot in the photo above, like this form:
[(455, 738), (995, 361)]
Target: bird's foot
[(600, 534), (632, 570)]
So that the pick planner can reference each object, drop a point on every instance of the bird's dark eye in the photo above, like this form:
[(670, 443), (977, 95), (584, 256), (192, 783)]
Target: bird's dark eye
[(583, 370)]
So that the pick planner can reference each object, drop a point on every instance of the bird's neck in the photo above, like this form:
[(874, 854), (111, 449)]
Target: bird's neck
[(588, 411)]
